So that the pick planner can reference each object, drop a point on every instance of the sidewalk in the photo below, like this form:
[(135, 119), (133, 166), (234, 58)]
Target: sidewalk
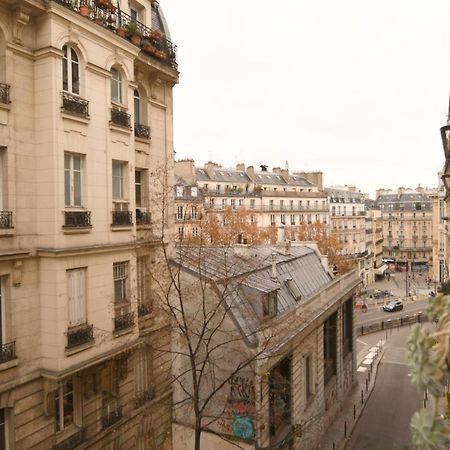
[(339, 432)]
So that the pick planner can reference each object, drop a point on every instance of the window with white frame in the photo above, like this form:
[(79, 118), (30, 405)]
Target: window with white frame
[(194, 212), (64, 405), (120, 273), (272, 219), (72, 179), (118, 180), (71, 70), (224, 203), (76, 296), (180, 213), (194, 231), (116, 86)]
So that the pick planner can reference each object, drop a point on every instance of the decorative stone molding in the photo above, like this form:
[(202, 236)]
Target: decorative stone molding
[(21, 19)]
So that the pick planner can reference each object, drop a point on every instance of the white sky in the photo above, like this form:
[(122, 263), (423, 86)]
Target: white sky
[(355, 88)]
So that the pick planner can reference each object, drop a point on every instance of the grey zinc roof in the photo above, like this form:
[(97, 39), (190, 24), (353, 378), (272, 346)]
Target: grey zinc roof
[(245, 279), (405, 201), (223, 175), (343, 196)]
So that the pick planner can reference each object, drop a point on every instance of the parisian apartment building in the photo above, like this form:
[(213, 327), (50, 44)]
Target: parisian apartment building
[(440, 268), (407, 217), (277, 198), (86, 154), (353, 228)]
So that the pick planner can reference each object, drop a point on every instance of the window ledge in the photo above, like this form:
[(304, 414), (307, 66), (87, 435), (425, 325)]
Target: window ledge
[(79, 348), (7, 232), (76, 230), (9, 364), (144, 227), (121, 227), (124, 130), (5, 106), (123, 332), (143, 140), (75, 118)]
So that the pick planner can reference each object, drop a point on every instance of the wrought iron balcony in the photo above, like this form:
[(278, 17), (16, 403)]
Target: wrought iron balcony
[(144, 397), (80, 335), (77, 219), (73, 441), (123, 321), (75, 105), (111, 418), (144, 309), (143, 217), (122, 218), (6, 220), (7, 352), (141, 131), (120, 117), (4, 93)]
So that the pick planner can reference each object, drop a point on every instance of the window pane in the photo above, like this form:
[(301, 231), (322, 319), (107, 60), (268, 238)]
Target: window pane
[(67, 187), (77, 188), (137, 107), (68, 403), (65, 77), (75, 78), (76, 163)]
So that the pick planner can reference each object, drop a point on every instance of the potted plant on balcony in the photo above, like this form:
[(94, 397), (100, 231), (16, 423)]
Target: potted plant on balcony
[(133, 33), (121, 31), (147, 46), (157, 35), (85, 9)]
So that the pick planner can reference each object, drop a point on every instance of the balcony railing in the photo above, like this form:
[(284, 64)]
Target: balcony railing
[(120, 118), (141, 131), (73, 441), (122, 218), (123, 321), (80, 335), (75, 105), (7, 352), (144, 309), (144, 397), (77, 219), (4, 93), (111, 418), (6, 220), (143, 217)]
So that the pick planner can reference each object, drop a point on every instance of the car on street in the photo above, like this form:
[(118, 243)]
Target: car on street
[(394, 305)]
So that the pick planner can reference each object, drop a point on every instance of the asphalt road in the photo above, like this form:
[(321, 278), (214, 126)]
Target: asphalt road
[(377, 313), (384, 423)]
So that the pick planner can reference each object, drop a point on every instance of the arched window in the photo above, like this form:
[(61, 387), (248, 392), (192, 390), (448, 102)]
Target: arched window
[(116, 86), (71, 70), (137, 107)]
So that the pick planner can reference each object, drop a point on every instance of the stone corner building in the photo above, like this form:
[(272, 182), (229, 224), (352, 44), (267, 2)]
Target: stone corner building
[(85, 153), (286, 316)]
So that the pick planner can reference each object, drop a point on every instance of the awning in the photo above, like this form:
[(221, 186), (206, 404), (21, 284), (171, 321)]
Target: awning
[(381, 269)]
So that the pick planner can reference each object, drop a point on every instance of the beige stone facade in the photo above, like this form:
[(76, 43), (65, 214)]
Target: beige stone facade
[(81, 190), (439, 272), (407, 226), (276, 198)]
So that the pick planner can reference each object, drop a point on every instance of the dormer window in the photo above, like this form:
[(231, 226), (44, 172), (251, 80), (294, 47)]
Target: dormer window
[(293, 288), (270, 304)]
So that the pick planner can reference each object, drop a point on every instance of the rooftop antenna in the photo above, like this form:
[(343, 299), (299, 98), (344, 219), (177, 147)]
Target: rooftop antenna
[(286, 166)]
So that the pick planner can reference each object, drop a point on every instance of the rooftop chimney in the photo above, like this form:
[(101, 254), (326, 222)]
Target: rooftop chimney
[(274, 266), (240, 167), (263, 168)]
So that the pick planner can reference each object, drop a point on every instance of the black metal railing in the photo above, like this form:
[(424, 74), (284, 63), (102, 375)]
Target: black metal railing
[(144, 309), (7, 352), (144, 397), (77, 219), (120, 117), (80, 335), (75, 105), (143, 217), (123, 321), (141, 131), (122, 218), (73, 441), (6, 220), (108, 15), (4, 93), (111, 418)]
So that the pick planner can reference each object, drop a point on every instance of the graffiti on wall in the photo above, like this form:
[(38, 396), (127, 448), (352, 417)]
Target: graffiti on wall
[(239, 413)]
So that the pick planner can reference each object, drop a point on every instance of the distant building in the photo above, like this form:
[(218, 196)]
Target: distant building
[(274, 198), (440, 268), (283, 305), (407, 226)]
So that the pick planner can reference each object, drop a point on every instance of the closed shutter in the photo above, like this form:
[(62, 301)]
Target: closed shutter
[(76, 281)]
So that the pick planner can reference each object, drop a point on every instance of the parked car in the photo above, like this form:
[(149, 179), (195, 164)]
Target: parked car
[(395, 305)]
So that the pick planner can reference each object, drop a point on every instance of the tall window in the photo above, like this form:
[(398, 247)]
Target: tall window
[(3, 430), (138, 187), (180, 214), (71, 70), (309, 376), (116, 86), (142, 279), (64, 405), (76, 295), (72, 179), (118, 180), (137, 107), (329, 348), (347, 327), (120, 270)]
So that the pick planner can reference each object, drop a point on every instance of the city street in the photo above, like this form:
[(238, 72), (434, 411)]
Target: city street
[(384, 423)]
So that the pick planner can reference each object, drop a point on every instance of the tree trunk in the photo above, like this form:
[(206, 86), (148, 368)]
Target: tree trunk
[(198, 432)]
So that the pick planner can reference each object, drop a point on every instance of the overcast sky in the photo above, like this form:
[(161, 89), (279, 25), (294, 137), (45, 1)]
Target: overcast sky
[(357, 89)]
